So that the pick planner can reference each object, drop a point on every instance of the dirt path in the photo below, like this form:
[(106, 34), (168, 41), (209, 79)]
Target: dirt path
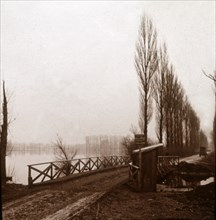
[(75, 209), (97, 197), (192, 159), (64, 200)]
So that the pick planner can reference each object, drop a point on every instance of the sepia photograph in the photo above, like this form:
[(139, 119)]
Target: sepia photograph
[(107, 109)]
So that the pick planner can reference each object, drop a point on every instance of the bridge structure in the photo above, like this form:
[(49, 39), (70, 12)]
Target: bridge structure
[(51, 171), (158, 171)]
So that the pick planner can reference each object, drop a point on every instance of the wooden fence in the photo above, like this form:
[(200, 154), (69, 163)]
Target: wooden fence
[(43, 172), (165, 164)]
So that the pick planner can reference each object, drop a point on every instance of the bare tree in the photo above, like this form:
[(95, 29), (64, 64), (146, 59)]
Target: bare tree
[(159, 87), (194, 128), (64, 155), (129, 145), (3, 136), (191, 127), (203, 140), (133, 129), (168, 107), (214, 132), (181, 123), (186, 110), (177, 102), (213, 78), (146, 64)]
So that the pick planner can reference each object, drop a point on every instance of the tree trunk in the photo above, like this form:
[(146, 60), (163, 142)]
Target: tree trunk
[(214, 132), (146, 121), (3, 140), (161, 125)]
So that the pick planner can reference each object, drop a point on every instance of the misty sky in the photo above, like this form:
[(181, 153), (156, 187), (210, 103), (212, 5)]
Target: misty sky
[(69, 66)]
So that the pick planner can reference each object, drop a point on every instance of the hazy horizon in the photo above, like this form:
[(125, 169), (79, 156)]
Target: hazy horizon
[(69, 66)]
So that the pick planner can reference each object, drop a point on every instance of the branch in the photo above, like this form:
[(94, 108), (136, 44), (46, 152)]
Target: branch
[(210, 76)]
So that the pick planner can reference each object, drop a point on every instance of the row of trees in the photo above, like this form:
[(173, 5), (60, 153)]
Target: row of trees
[(177, 124)]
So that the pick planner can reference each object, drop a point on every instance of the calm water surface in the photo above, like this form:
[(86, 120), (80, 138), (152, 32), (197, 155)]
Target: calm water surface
[(17, 163)]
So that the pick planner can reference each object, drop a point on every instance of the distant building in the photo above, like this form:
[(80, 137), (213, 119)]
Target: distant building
[(104, 145)]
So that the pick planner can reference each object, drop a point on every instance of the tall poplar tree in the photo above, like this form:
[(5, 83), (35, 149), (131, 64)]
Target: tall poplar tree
[(146, 64)]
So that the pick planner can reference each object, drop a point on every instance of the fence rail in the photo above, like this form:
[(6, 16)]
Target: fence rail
[(43, 172), (165, 164)]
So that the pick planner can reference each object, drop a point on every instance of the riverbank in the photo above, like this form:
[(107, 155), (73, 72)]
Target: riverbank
[(122, 203), (94, 197)]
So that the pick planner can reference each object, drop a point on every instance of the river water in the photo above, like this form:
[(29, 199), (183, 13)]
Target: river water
[(22, 155), (17, 163)]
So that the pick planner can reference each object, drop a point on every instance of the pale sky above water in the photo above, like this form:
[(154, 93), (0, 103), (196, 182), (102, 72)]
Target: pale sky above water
[(69, 66)]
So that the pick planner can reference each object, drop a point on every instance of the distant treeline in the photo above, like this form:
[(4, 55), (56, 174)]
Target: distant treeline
[(39, 148), (104, 145)]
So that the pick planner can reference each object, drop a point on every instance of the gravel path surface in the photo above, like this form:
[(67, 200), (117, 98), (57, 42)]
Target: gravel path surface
[(124, 204), (64, 200)]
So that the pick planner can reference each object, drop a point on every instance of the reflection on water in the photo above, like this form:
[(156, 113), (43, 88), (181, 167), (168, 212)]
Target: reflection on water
[(207, 181), (177, 180), (17, 164)]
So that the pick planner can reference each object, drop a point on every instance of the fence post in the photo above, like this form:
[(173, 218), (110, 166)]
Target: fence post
[(29, 176), (51, 171), (79, 166)]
